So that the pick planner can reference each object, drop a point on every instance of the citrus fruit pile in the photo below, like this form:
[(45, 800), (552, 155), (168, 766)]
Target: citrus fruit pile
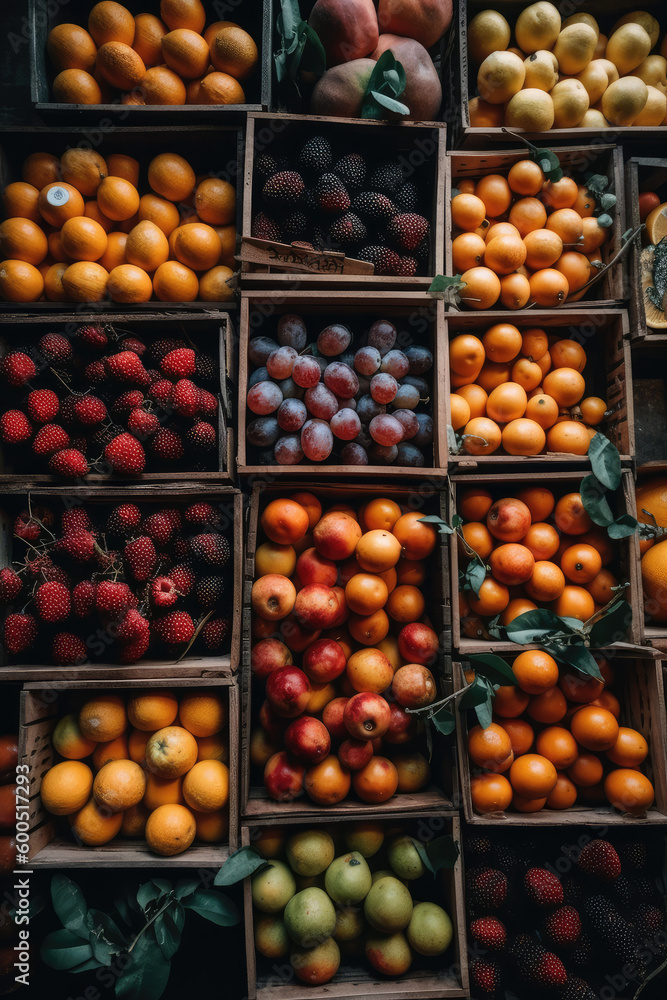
[(519, 239), (556, 73), (358, 889), (557, 739), (652, 509), (342, 592), (77, 229), (541, 552), (152, 765), (653, 259), (170, 59), (521, 392)]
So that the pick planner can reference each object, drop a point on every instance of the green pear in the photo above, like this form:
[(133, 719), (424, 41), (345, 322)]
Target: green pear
[(271, 938), (273, 887), (388, 905), (310, 852), (366, 838), (348, 879), (430, 930), (316, 965), (350, 924), (388, 953), (404, 858), (386, 873), (310, 917)]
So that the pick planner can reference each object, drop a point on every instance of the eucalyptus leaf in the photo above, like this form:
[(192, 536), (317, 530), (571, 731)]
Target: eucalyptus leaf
[(291, 15), (442, 283), (147, 894), (444, 721), (595, 502), (185, 887), (147, 975), (531, 626), (605, 461), (457, 521), (106, 940), (92, 963), (597, 184), (613, 627), (386, 81), (475, 694), (246, 861), (475, 575), (213, 906), (484, 713), (494, 667), (607, 201), (63, 949), (390, 103), (605, 221), (313, 56), (70, 905), (445, 528), (623, 526), (123, 910)]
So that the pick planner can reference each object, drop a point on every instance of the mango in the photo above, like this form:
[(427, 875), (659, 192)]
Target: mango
[(341, 90), (424, 20), (348, 29), (423, 91)]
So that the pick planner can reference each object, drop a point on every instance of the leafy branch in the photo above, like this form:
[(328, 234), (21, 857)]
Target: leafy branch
[(475, 573), (301, 50), (385, 86), (605, 479), (545, 158)]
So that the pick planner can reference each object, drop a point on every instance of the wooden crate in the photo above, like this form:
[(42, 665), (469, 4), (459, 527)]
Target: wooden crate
[(642, 173), (42, 17), (625, 568), (41, 706), (210, 150), (649, 402), (255, 803), (461, 82), (612, 289), (639, 687), (608, 374), (13, 498), (212, 331), (278, 982), (653, 635), (421, 146), (421, 319)]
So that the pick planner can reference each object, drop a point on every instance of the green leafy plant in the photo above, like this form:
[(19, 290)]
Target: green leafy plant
[(385, 86), (475, 572), (545, 158), (605, 201), (301, 50), (141, 942), (604, 479)]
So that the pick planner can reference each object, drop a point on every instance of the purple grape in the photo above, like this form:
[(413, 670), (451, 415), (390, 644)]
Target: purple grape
[(321, 402), (382, 335), (345, 424), (354, 454), (341, 379), (262, 432), (383, 388), (408, 421), (259, 349), (420, 359), (383, 455), (409, 455), (424, 435), (406, 398), (395, 363), (306, 371), (290, 389), (364, 386), (367, 408), (334, 340), (385, 430), (288, 450), (367, 360), (259, 375), (420, 384), (265, 397), (280, 363), (292, 332), (349, 403), (316, 440), (363, 438), (292, 414), (322, 362)]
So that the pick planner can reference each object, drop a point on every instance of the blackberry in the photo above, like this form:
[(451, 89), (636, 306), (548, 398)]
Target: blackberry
[(206, 369), (577, 989), (478, 848), (374, 205), (572, 894), (648, 919), (622, 892), (316, 155), (633, 855), (620, 937), (265, 228), (352, 170), (347, 230), (211, 548), (644, 890), (294, 226), (385, 261), (104, 436), (210, 590), (407, 197), (486, 888), (581, 956), (387, 178), (332, 195), (526, 951), (266, 166), (284, 188)]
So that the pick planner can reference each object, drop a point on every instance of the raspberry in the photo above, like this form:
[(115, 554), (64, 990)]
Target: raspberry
[(94, 336), (19, 633), (135, 345), (114, 598), (489, 932), (214, 634), (543, 887), (384, 260), (68, 649), (487, 888), (141, 558), (95, 372), (202, 436), (550, 971), (265, 228), (163, 591), (27, 526), (211, 548), (83, 598), (18, 368), (485, 976), (180, 363), (142, 425), (127, 401), (55, 349), (563, 926), (600, 860), (159, 526), (124, 519), (167, 445), (160, 392), (52, 601), (175, 628), (90, 411), (203, 514), (284, 188), (125, 454), (331, 194), (127, 367), (347, 230), (133, 650), (15, 428), (183, 578), (69, 463), (132, 626), (407, 230), (207, 403), (184, 398), (374, 205), (10, 584), (43, 405), (159, 349), (49, 439), (78, 545)]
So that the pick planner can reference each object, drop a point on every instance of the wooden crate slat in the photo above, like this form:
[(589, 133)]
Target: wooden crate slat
[(647, 174)]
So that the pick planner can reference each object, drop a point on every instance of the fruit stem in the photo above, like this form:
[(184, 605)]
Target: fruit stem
[(151, 921), (436, 704)]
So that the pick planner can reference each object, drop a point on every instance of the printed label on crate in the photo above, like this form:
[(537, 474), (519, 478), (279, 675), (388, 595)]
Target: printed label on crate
[(294, 257)]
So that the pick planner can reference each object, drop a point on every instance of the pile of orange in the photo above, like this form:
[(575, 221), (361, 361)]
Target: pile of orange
[(521, 391), (555, 740), (652, 509), (77, 229), (541, 553), (520, 239), (170, 59), (149, 766)]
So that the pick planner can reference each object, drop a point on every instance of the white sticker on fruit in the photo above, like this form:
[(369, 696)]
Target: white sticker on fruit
[(57, 196)]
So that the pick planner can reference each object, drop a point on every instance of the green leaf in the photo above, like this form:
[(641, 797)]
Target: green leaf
[(549, 163), (442, 283), (595, 502), (70, 905), (623, 526), (444, 721), (386, 81), (607, 201), (494, 667), (452, 440), (168, 929), (484, 713), (213, 906), (246, 861), (475, 575), (290, 15), (440, 853), (443, 527), (185, 887), (313, 56), (64, 950), (475, 694), (605, 221), (150, 892), (597, 184), (531, 626), (605, 461), (613, 627), (123, 910), (390, 103), (147, 975), (575, 655), (105, 939)]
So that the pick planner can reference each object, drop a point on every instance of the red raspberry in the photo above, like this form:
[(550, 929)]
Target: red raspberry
[(563, 926), (127, 401), (53, 601), (73, 519), (214, 633), (55, 349), (90, 410), (211, 548), (543, 887), (160, 392), (18, 368), (10, 584), (163, 592), (15, 428), (83, 598), (132, 626), (68, 649), (20, 631), (184, 398), (95, 372), (78, 545), (167, 445), (159, 526), (93, 335), (125, 454), (175, 628), (202, 436), (114, 598), (142, 424), (207, 403), (133, 650), (27, 525), (490, 933), (43, 405), (124, 519), (179, 363), (141, 558), (183, 577), (127, 367), (135, 345), (202, 513), (69, 463), (49, 439)]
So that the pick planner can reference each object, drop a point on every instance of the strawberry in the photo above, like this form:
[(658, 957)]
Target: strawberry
[(95, 372), (265, 228), (331, 194), (211, 548), (18, 368), (203, 514), (125, 454), (180, 363), (159, 526), (83, 598), (19, 633), (214, 633), (10, 584), (284, 188), (68, 649), (140, 556), (43, 405), (485, 976), (210, 591), (78, 545), (141, 424), (489, 932), (126, 366), (184, 398), (487, 888), (159, 349), (124, 519), (183, 577), (52, 601), (114, 598), (90, 410), (135, 345), (347, 230), (55, 349), (599, 860), (563, 926), (374, 205), (384, 260), (127, 401), (133, 650), (167, 445), (69, 463), (73, 519), (316, 154), (93, 335), (202, 436), (543, 887), (15, 428), (407, 230), (207, 403), (163, 591), (160, 392), (175, 628), (49, 439), (132, 626)]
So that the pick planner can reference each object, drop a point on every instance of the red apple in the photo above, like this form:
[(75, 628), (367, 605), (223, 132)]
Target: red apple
[(323, 661), (283, 778), (402, 727), (311, 567), (367, 715), (295, 636), (316, 606), (267, 655), (272, 724), (418, 643), (355, 754), (307, 739), (288, 690), (332, 717), (414, 686), (343, 610)]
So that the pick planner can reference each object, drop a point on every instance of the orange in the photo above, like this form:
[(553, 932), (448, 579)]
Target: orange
[(575, 602), (577, 269), (560, 194), (148, 34), (159, 211), (504, 254), (543, 410), (172, 177), (479, 538), (601, 587), (558, 745), (584, 202), (534, 343), (170, 829), (234, 51), (586, 771), (82, 238), (493, 598), (69, 741), (526, 178), (629, 790), (228, 236), (152, 709), (196, 245), (468, 212), (21, 239), (548, 287), (593, 409), (128, 283), (214, 285), (569, 436), (466, 355), (467, 251), (581, 563), (366, 593), (119, 785), (542, 540), (544, 363), (85, 169), (565, 385), (213, 827), (183, 14), (653, 571), (481, 288), (568, 224), (41, 169), (568, 354), (506, 402), (490, 748), (630, 748), (492, 374), (481, 436), (202, 714), (465, 185), (535, 671), (548, 707), (219, 88), (594, 728), (511, 563), (524, 805), (117, 198), (571, 517), (66, 787), (459, 411), (20, 200), (539, 501), (186, 53), (71, 47), (147, 246), (75, 86), (527, 214), (163, 791), (103, 718), (523, 437), (161, 85), (413, 771), (114, 750), (206, 786), (532, 776), (496, 194), (215, 201), (213, 747), (174, 282), (509, 701), (563, 795), (526, 373), (594, 235), (417, 539), (500, 229), (520, 733), (284, 521), (405, 604), (109, 21), (136, 743), (474, 503), (171, 751), (134, 821), (543, 248), (114, 255), (377, 551), (92, 211), (119, 65), (490, 793), (411, 571), (94, 825), (502, 342), (517, 606), (514, 291)]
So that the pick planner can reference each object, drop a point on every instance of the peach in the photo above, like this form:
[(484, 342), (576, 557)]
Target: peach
[(424, 20), (333, 718), (414, 686), (273, 596), (267, 655), (311, 567), (316, 606), (355, 754), (307, 740), (348, 28), (324, 660), (327, 782), (336, 535), (369, 670), (284, 521), (366, 716)]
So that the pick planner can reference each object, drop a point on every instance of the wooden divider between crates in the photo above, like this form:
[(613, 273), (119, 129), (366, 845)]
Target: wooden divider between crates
[(642, 173)]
